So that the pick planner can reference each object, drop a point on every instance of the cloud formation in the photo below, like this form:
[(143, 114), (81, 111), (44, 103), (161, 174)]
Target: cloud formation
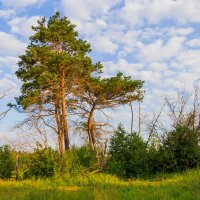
[(20, 3), (138, 12)]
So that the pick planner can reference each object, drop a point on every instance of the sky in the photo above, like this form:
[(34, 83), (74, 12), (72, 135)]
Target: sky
[(157, 41)]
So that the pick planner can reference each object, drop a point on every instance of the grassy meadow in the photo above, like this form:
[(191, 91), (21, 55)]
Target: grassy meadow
[(105, 187)]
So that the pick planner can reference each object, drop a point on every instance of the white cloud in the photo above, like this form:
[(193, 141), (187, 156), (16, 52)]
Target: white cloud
[(84, 10), (151, 76), (189, 60), (153, 11), (6, 14), (193, 43), (173, 84), (10, 45), (122, 65), (8, 84), (159, 51), (174, 31), (22, 25), (9, 62), (89, 28), (104, 44), (158, 66), (20, 3)]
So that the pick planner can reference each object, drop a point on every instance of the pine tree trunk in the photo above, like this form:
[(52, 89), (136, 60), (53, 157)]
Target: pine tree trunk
[(89, 127), (17, 167), (64, 111), (91, 136), (59, 127)]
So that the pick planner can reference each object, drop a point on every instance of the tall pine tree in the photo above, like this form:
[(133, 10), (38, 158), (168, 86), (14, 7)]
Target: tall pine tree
[(53, 67)]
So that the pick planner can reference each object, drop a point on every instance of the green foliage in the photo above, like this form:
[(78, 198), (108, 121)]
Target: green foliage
[(128, 155), (85, 156), (78, 161), (6, 162), (41, 163), (181, 149), (54, 51), (68, 165), (45, 162)]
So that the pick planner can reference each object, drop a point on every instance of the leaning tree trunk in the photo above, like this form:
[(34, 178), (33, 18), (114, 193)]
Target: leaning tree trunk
[(89, 128), (91, 136)]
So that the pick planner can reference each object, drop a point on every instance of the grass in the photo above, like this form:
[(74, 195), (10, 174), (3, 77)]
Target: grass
[(183, 186)]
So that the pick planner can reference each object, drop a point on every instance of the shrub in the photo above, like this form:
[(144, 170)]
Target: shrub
[(181, 149), (76, 162), (41, 163), (86, 156), (128, 155), (6, 162)]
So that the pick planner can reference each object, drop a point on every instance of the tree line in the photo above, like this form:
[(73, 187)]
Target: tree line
[(60, 82)]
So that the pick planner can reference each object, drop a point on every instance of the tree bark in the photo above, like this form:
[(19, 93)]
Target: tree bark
[(64, 111), (17, 167), (139, 120), (90, 125), (59, 128), (131, 118), (92, 140)]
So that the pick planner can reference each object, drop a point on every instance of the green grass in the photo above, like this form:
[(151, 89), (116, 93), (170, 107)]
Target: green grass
[(183, 186)]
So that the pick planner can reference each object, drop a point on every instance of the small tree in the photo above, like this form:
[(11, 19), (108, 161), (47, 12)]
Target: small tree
[(41, 163), (128, 155), (6, 162), (181, 149), (85, 156)]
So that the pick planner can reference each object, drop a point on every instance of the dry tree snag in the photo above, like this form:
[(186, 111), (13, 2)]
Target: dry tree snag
[(181, 109), (3, 113), (184, 108)]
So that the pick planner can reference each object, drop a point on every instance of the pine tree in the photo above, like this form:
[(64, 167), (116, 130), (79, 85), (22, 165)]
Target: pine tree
[(55, 63)]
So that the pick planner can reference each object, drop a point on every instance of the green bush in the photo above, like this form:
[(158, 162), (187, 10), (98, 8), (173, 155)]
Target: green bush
[(6, 162), (86, 156), (77, 161), (181, 149), (41, 163), (128, 155)]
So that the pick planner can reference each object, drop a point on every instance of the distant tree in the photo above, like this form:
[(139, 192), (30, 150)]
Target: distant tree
[(6, 162)]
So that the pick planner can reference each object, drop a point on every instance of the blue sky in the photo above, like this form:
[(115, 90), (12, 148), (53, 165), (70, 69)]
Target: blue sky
[(153, 40)]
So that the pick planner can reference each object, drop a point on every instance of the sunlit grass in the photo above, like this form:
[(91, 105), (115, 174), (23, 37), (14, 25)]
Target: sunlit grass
[(105, 187)]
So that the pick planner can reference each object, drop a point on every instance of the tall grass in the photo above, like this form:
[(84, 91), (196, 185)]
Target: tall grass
[(105, 187)]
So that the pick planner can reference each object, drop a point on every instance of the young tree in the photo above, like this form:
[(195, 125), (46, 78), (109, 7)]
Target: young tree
[(54, 65), (128, 155), (6, 162), (181, 149)]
